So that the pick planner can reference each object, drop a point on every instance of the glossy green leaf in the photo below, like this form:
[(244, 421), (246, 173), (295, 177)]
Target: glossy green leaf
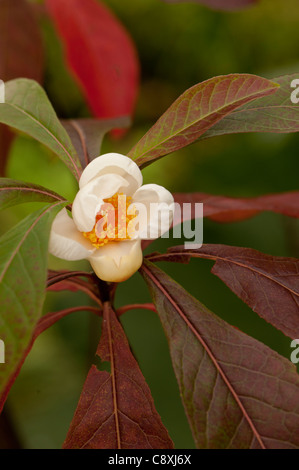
[(14, 192), (23, 275), (28, 110)]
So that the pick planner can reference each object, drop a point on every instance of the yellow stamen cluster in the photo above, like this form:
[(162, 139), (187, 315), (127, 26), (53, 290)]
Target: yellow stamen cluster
[(112, 221)]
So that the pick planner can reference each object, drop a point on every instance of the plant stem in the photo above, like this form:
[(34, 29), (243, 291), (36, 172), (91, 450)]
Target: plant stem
[(125, 308)]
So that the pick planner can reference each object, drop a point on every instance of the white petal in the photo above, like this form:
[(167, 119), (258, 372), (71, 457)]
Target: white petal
[(65, 240), (113, 163), (158, 216), (89, 199), (117, 261)]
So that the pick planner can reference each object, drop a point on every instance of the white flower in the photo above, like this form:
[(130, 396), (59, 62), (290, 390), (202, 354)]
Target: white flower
[(111, 181)]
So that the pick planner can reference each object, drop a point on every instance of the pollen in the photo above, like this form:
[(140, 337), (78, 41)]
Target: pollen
[(111, 223)]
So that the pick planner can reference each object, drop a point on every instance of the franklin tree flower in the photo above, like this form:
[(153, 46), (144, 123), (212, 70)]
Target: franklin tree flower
[(111, 214)]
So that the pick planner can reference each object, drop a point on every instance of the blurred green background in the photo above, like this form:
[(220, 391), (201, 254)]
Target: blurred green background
[(178, 46)]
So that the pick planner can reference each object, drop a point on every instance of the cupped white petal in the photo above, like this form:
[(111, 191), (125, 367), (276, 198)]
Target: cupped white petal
[(117, 261), (89, 199), (155, 206), (65, 240), (113, 163)]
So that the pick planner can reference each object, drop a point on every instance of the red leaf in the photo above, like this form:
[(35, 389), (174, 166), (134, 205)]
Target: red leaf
[(228, 209), (50, 318), (87, 135), (237, 392), (268, 284), (100, 53), (116, 410), (197, 110), (21, 54), (274, 113), (70, 280), (70, 284)]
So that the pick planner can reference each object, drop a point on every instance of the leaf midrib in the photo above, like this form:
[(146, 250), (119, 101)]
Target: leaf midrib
[(209, 352), (106, 314), (33, 190), (30, 116), (81, 135), (222, 108), (229, 260), (19, 245)]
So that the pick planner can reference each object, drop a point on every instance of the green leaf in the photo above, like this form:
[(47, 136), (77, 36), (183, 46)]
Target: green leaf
[(14, 192), (23, 275), (274, 113), (28, 110), (236, 391), (195, 111)]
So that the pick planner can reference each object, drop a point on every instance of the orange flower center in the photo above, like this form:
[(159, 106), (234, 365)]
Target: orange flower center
[(112, 221)]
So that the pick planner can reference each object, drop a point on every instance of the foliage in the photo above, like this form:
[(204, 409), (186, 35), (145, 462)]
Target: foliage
[(236, 391)]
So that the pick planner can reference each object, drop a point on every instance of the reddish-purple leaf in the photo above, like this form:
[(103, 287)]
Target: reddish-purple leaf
[(126, 308), (196, 110), (237, 392), (116, 410), (87, 135), (59, 276), (21, 54), (229, 5), (268, 284), (100, 53), (278, 113), (71, 280), (72, 285), (228, 209), (51, 318)]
